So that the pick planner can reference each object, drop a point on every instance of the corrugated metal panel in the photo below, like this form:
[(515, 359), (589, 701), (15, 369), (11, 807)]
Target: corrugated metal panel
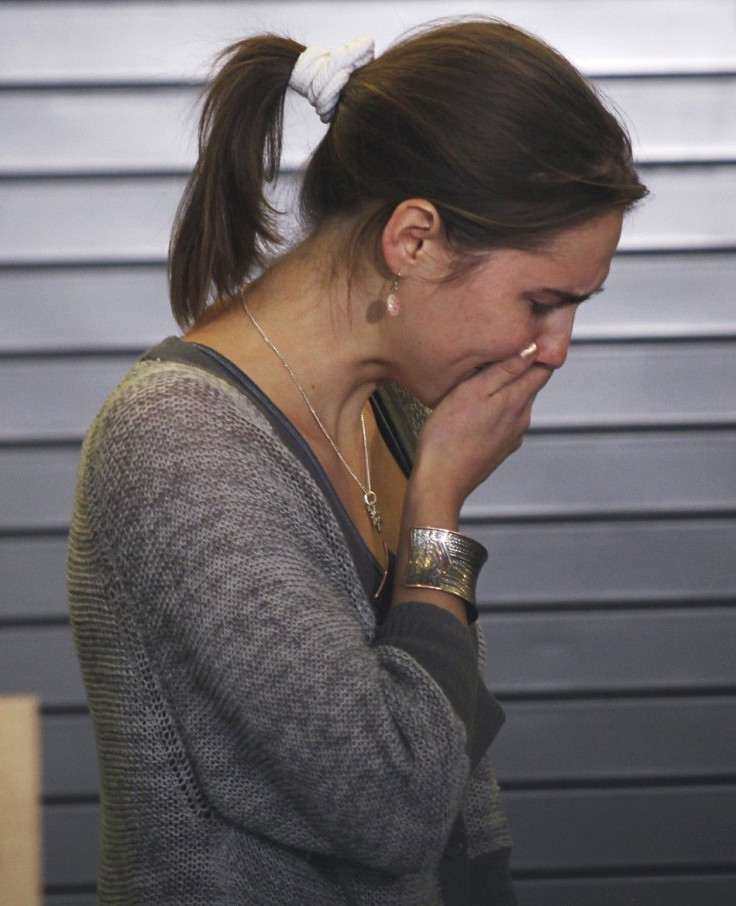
[(666, 829), (653, 890), (128, 218), (98, 42), (125, 307), (600, 387), (151, 128), (616, 651), (608, 595)]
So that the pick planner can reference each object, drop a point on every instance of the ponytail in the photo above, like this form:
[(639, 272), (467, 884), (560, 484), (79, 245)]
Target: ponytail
[(224, 222), (496, 129)]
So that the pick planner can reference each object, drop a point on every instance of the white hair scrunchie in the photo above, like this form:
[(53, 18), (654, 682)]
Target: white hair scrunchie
[(320, 74)]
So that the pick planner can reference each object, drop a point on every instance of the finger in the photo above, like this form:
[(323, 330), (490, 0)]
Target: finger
[(521, 394), (512, 403), (504, 372), (525, 385)]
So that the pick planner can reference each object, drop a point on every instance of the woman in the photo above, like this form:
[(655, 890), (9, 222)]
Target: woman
[(273, 606)]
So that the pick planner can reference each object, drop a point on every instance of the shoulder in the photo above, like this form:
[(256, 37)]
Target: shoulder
[(171, 424), (157, 398)]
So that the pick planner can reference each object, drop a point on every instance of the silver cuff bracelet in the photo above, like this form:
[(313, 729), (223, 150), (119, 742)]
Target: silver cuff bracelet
[(446, 561)]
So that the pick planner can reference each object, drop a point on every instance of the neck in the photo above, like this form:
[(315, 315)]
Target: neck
[(331, 341)]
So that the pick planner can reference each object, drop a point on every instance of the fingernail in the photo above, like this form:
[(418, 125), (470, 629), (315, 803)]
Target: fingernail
[(528, 351)]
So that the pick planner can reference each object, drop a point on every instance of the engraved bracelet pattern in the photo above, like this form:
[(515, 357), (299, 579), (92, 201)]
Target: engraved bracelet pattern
[(446, 561)]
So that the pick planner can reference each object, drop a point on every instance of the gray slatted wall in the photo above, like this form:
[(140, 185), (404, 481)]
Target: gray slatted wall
[(608, 598)]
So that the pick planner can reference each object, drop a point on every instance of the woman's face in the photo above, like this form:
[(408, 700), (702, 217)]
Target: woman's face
[(515, 297)]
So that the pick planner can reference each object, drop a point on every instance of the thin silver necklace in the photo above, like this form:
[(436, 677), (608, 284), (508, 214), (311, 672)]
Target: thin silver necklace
[(369, 495)]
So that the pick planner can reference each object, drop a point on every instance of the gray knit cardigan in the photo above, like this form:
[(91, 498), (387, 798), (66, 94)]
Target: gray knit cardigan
[(262, 740)]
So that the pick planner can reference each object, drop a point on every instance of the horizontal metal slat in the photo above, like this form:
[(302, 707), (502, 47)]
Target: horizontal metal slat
[(37, 492), (571, 830), (42, 661), (547, 742), (573, 654), (615, 386), (88, 220), (148, 41), (653, 296), (129, 218), (71, 844), (625, 562), (613, 652), (640, 385), (561, 477), (594, 562), (78, 130), (33, 584), (612, 474), (609, 741), (84, 309), (680, 890), (69, 756), (113, 308), (677, 119), (131, 130), (71, 899), (154, 129), (688, 208), (56, 399)]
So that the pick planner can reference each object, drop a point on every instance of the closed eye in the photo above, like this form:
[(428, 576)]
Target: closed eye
[(540, 309), (561, 297)]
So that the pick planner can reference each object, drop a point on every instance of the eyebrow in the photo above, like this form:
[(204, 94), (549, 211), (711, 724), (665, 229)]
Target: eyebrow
[(572, 298)]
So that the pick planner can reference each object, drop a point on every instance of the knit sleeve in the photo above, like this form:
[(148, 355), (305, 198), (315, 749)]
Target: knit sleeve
[(444, 647), (226, 556), (489, 838)]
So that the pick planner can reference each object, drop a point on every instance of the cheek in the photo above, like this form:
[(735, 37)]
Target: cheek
[(481, 328)]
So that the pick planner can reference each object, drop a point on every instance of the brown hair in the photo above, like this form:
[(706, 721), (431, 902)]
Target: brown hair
[(499, 131)]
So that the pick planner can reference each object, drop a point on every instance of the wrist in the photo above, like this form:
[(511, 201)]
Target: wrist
[(439, 566), (445, 561), (428, 505)]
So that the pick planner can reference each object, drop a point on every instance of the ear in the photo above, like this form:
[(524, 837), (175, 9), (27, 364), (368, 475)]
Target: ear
[(414, 228)]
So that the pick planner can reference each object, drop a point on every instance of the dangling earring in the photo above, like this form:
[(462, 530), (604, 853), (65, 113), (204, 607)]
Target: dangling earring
[(392, 300)]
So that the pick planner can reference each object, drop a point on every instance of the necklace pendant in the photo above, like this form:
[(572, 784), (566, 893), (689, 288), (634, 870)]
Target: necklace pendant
[(369, 499)]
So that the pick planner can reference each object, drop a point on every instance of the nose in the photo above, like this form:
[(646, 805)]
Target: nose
[(554, 338)]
